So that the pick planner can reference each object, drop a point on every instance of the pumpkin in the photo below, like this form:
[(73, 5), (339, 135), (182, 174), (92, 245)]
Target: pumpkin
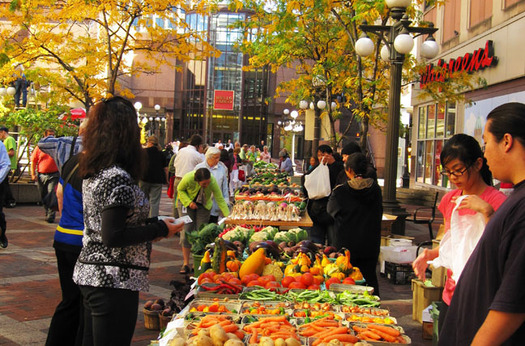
[(233, 265), (254, 264)]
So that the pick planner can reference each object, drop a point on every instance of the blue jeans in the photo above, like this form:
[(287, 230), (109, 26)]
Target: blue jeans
[(152, 192), (110, 315)]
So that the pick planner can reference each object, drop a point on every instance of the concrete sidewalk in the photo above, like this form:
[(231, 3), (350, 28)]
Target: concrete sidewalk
[(30, 290)]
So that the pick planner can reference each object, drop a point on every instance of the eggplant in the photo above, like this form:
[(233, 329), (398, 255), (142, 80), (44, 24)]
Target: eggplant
[(253, 246), (270, 247), (308, 244), (329, 249)]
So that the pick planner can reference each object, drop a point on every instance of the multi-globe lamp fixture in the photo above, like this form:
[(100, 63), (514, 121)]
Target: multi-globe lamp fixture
[(398, 42)]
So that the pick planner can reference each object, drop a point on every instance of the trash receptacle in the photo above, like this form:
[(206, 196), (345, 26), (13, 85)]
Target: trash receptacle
[(434, 313)]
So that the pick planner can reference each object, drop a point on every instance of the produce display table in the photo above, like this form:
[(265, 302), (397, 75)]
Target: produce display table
[(305, 221)]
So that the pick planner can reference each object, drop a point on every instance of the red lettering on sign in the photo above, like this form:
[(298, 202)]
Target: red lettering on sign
[(470, 62)]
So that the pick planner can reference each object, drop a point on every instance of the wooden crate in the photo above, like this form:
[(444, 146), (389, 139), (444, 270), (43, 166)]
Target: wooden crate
[(439, 275), (423, 296)]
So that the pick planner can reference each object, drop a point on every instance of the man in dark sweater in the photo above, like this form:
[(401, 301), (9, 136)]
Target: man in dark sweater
[(322, 228)]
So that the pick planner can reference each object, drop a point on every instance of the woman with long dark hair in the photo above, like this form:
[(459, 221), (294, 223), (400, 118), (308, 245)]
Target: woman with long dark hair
[(463, 163), (113, 265)]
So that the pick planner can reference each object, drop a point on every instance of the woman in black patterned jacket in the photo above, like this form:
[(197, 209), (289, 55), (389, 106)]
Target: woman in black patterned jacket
[(113, 265)]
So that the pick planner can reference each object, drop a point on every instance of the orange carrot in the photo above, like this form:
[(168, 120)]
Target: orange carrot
[(359, 329), (239, 334), (384, 329), (336, 330), (371, 334), (385, 336), (342, 338), (253, 338), (230, 328)]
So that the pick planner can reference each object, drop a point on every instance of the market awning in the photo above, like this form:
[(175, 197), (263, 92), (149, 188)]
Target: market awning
[(78, 113)]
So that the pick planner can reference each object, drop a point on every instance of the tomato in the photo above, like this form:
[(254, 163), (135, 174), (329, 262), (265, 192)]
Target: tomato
[(296, 284), (272, 285), (255, 282), (249, 277), (307, 279), (287, 280), (332, 281), (349, 281), (314, 287), (266, 278)]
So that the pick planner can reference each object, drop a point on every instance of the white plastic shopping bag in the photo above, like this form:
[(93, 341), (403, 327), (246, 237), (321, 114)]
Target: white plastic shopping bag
[(460, 241), (317, 183)]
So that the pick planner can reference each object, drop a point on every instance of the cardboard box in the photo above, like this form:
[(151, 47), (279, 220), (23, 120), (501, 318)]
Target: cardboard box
[(428, 330), (423, 296)]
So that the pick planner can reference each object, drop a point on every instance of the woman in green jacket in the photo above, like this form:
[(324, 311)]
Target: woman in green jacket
[(194, 198)]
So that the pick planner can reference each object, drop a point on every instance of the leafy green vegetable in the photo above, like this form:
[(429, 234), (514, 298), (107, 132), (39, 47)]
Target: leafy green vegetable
[(204, 236)]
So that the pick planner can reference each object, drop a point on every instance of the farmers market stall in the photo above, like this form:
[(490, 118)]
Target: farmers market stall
[(260, 281), (264, 286)]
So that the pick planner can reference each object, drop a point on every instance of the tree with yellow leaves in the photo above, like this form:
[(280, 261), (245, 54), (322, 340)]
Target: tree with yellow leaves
[(317, 39), (84, 50)]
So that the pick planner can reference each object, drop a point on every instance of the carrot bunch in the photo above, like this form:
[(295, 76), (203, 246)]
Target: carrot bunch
[(374, 332), (325, 330), (224, 321), (274, 327)]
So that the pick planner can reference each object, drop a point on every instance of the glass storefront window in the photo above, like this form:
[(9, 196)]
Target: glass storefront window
[(420, 164), (440, 121), (431, 120), (436, 123), (422, 122), (451, 120), (429, 162)]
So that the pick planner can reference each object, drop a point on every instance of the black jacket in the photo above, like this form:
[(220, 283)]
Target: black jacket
[(357, 210)]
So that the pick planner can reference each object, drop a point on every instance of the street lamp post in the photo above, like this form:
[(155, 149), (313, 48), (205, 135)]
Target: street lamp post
[(399, 42)]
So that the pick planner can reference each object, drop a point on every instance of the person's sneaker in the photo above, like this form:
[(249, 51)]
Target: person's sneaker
[(3, 241), (11, 204)]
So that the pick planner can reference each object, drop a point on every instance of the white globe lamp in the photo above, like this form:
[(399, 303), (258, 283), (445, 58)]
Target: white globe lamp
[(429, 48), (11, 91), (364, 46), (385, 53), (321, 104), (403, 43), (398, 3)]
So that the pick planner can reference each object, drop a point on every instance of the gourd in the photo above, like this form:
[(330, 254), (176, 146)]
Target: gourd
[(254, 264), (219, 256), (205, 261)]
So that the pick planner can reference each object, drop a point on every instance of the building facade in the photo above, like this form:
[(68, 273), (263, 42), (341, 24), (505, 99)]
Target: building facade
[(478, 36)]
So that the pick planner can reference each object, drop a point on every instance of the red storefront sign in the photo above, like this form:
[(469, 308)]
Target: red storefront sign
[(470, 62), (223, 99)]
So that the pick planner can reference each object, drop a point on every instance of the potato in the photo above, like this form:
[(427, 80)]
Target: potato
[(335, 342), (203, 340), (232, 336), (266, 341), (292, 342), (234, 342), (280, 342), (218, 335), (178, 341)]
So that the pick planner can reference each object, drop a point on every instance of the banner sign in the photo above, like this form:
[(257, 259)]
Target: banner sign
[(223, 99)]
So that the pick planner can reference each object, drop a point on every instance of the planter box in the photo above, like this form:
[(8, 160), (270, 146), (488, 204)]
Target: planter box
[(25, 192)]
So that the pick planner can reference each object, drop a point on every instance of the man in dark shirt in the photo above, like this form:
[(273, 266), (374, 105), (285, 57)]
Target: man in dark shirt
[(322, 228), (488, 306)]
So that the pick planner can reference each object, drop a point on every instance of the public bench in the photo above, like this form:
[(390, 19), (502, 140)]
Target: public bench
[(426, 202)]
